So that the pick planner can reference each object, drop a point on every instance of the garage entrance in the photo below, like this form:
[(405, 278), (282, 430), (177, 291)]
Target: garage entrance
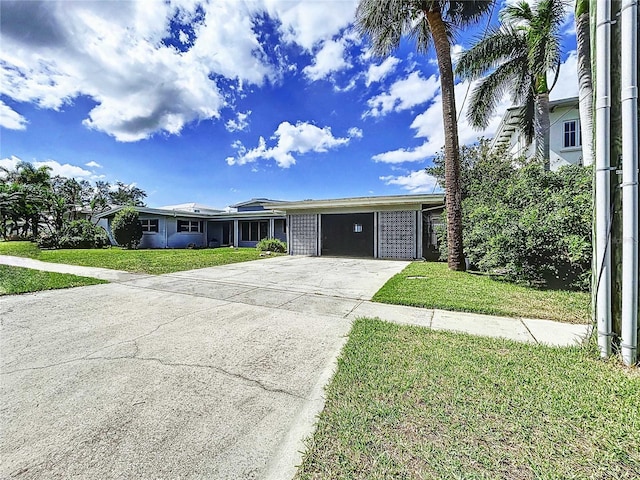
[(347, 234)]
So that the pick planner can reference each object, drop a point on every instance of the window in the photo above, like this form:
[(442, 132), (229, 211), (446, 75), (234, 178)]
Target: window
[(357, 228), (571, 134), (149, 225), (190, 226), (253, 231)]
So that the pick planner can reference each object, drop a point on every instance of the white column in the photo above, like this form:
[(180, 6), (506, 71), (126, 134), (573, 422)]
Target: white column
[(236, 233)]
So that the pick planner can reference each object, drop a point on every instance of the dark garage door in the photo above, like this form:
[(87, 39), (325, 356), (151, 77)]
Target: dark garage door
[(347, 234)]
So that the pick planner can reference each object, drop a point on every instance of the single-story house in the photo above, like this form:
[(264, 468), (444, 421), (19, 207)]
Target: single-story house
[(172, 227), (401, 226)]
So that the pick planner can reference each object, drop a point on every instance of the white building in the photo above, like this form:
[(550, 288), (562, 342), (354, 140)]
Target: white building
[(564, 135)]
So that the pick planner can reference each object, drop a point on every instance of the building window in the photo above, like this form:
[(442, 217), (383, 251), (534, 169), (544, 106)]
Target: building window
[(357, 228), (190, 226), (149, 225), (253, 231), (571, 134)]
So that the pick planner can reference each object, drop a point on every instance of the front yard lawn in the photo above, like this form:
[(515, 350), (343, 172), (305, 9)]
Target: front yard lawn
[(15, 280), (410, 402), (433, 285), (154, 262)]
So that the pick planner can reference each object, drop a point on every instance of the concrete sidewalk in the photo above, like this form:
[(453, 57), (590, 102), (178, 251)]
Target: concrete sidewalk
[(94, 272)]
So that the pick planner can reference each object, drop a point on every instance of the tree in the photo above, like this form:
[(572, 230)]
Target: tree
[(519, 54), (126, 227), (123, 194), (429, 22), (585, 83)]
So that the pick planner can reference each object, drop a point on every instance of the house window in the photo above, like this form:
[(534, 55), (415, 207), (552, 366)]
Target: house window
[(357, 228), (190, 226), (280, 225), (571, 134), (149, 225), (253, 231)]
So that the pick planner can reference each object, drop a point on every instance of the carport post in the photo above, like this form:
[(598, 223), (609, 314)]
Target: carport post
[(236, 233)]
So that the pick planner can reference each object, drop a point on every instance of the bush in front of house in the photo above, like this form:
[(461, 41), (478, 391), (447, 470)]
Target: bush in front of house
[(126, 228), (272, 245), (76, 234)]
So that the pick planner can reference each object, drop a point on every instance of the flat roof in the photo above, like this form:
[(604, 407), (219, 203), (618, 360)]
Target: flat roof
[(389, 200)]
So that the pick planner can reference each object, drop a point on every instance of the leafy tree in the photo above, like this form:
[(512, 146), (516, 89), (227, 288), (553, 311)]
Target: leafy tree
[(124, 194), (429, 22), (126, 227), (519, 54), (529, 224)]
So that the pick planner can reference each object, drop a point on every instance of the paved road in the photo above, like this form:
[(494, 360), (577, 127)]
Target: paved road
[(212, 373)]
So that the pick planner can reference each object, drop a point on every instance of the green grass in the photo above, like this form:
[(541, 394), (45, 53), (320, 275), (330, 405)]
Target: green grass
[(435, 286), (15, 280), (154, 262), (409, 402)]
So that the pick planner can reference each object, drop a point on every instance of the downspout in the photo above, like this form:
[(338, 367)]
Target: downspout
[(602, 189), (629, 90)]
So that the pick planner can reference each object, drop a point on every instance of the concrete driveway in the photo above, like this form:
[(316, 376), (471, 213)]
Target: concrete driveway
[(212, 373)]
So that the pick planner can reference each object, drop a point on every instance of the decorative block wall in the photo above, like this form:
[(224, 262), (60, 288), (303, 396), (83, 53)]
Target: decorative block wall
[(397, 233), (303, 232)]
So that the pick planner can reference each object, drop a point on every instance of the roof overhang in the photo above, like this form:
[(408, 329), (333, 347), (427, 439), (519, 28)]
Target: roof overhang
[(394, 202)]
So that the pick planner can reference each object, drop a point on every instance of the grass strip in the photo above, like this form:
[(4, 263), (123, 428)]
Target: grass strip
[(433, 285), (409, 402), (14, 280), (154, 262)]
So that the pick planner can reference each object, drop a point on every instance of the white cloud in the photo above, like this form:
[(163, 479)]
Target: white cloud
[(240, 124), (57, 168), (329, 59), (93, 164), (415, 182), (403, 95), (375, 73), (11, 119), (114, 53), (567, 84), (300, 138)]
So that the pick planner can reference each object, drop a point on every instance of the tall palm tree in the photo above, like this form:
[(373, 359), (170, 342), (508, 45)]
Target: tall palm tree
[(428, 22), (585, 82), (520, 54)]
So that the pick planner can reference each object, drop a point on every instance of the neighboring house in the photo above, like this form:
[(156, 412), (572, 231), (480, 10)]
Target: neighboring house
[(400, 227), (564, 140), (201, 226)]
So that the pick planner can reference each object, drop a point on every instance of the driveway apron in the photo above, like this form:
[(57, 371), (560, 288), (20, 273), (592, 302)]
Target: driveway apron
[(211, 373)]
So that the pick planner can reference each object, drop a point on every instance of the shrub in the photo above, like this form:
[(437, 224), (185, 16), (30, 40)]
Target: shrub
[(126, 228), (76, 234), (272, 245)]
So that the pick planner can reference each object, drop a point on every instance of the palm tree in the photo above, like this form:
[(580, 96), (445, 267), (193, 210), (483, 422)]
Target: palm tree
[(519, 54), (428, 22), (585, 83)]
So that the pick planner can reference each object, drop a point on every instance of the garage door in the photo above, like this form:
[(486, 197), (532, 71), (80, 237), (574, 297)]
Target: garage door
[(347, 234)]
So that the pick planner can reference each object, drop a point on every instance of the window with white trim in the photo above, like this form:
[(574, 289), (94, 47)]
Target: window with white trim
[(253, 231), (149, 225), (571, 134), (190, 226)]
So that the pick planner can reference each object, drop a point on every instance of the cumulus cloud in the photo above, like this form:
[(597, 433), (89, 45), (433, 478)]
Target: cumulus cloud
[(329, 59), (375, 73), (11, 119), (93, 164), (567, 84), (415, 182), (56, 168), (240, 123), (300, 138), (123, 55), (403, 95)]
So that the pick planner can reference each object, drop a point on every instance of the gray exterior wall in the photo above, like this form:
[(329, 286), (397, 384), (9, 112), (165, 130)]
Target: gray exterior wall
[(177, 239), (303, 234), (397, 234), (154, 239)]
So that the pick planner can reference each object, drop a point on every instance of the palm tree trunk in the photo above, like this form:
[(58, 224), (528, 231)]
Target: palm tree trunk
[(453, 197), (542, 126), (585, 85)]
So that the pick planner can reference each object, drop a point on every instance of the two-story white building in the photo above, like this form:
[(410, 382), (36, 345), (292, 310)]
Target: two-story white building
[(564, 135)]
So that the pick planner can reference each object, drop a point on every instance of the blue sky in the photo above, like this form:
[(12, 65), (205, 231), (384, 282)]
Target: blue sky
[(219, 102)]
